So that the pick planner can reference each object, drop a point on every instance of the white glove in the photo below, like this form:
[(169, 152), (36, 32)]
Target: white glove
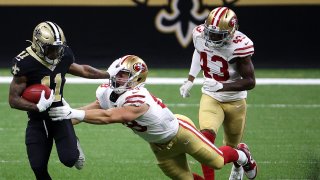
[(65, 112), (114, 68), (212, 85), (44, 103), (185, 89)]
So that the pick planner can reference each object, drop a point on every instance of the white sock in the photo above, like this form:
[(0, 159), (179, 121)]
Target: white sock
[(242, 158)]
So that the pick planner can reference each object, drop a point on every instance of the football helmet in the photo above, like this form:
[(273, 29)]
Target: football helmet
[(48, 42), (220, 27), (133, 74)]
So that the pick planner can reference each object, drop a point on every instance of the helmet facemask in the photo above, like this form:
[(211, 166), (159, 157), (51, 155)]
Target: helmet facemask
[(132, 76), (52, 53), (219, 27), (215, 38), (124, 81)]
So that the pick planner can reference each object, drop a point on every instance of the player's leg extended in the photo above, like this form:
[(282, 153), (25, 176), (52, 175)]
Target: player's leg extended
[(204, 151), (39, 144), (66, 142), (172, 161), (171, 156), (234, 124), (211, 117)]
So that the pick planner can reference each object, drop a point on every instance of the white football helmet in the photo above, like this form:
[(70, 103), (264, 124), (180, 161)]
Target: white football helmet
[(220, 27), (48, 42), (133, 74)]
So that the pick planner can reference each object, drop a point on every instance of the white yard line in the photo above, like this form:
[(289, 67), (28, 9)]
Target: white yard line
[(179, 81), (305, 106)]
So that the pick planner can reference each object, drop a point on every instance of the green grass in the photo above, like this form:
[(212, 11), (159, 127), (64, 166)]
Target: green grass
[(282, 130)]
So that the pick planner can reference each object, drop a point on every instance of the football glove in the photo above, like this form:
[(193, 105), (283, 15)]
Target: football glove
[(114, 68), (212, 85), (65, 112), (44, 103), (185, 89)]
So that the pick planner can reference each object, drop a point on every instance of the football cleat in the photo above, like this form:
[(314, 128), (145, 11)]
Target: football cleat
[(236, 172), (80, 162), (250, 167)]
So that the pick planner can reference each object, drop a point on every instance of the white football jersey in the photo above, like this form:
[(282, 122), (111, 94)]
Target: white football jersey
[(218, 63), (157, 125)]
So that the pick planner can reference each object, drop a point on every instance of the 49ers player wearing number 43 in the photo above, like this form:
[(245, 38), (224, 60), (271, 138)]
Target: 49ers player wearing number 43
[(224, 55)]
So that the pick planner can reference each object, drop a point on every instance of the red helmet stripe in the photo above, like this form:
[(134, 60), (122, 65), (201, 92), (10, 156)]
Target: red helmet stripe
[(124, 58), (221, 14), (215, 15)]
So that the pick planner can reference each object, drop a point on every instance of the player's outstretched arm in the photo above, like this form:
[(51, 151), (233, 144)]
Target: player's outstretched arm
[(87, 71), (93, 105), (115, 115), (90, 72), (98, 116)]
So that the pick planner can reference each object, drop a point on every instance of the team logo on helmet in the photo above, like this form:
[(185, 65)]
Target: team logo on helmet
[(139, 66), (233, 21)]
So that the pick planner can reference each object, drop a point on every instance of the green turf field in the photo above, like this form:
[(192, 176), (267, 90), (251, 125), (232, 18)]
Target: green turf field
[(283, 127)]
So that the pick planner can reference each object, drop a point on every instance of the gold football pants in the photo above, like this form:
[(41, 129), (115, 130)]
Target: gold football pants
[(172, 157), (232, 115)]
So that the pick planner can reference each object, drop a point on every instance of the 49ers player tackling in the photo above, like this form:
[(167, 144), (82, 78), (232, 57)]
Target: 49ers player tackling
[(125, 100), (224, 55)]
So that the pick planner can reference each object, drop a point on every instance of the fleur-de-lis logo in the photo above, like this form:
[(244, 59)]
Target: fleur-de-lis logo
[(15, 69), (181, 21)]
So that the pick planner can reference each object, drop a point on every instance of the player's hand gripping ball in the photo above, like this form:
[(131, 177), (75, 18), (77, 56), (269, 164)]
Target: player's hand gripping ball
[(33, 93)]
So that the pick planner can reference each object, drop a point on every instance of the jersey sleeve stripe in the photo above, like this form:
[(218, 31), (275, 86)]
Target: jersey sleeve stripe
[(134, 102), (247, 47), (244, 53), (191, 128), (135, 96)]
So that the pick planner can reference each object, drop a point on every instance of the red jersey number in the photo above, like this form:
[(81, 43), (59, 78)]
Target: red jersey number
[(224, 69), (135, 126)]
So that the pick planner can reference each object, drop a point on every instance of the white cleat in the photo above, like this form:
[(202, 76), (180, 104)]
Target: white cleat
[(236, 173), (250, 168), (80, 162)]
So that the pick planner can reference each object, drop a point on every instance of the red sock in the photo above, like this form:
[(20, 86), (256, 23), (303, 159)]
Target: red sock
[(229, 154), (208, 172), (197, 177)]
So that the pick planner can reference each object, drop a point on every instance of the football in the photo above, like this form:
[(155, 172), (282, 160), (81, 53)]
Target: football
[(33, 93)]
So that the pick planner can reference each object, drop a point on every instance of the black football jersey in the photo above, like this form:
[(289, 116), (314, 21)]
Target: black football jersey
[(38, 71)]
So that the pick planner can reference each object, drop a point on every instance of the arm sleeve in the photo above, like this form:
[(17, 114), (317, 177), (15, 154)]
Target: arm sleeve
[(195, 64)]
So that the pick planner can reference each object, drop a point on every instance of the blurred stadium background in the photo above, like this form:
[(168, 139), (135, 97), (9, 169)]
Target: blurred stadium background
[(283, 120)]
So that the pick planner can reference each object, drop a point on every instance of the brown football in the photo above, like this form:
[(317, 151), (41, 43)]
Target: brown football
[(33, 93)]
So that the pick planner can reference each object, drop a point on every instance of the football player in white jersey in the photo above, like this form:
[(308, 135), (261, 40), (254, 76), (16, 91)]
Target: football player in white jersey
[(125, 100), (224, 55)]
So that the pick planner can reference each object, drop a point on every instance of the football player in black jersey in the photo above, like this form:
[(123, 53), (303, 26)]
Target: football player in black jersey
[(46, 62)]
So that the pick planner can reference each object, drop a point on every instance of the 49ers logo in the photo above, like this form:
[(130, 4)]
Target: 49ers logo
[(233, 21), (139, 66)]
